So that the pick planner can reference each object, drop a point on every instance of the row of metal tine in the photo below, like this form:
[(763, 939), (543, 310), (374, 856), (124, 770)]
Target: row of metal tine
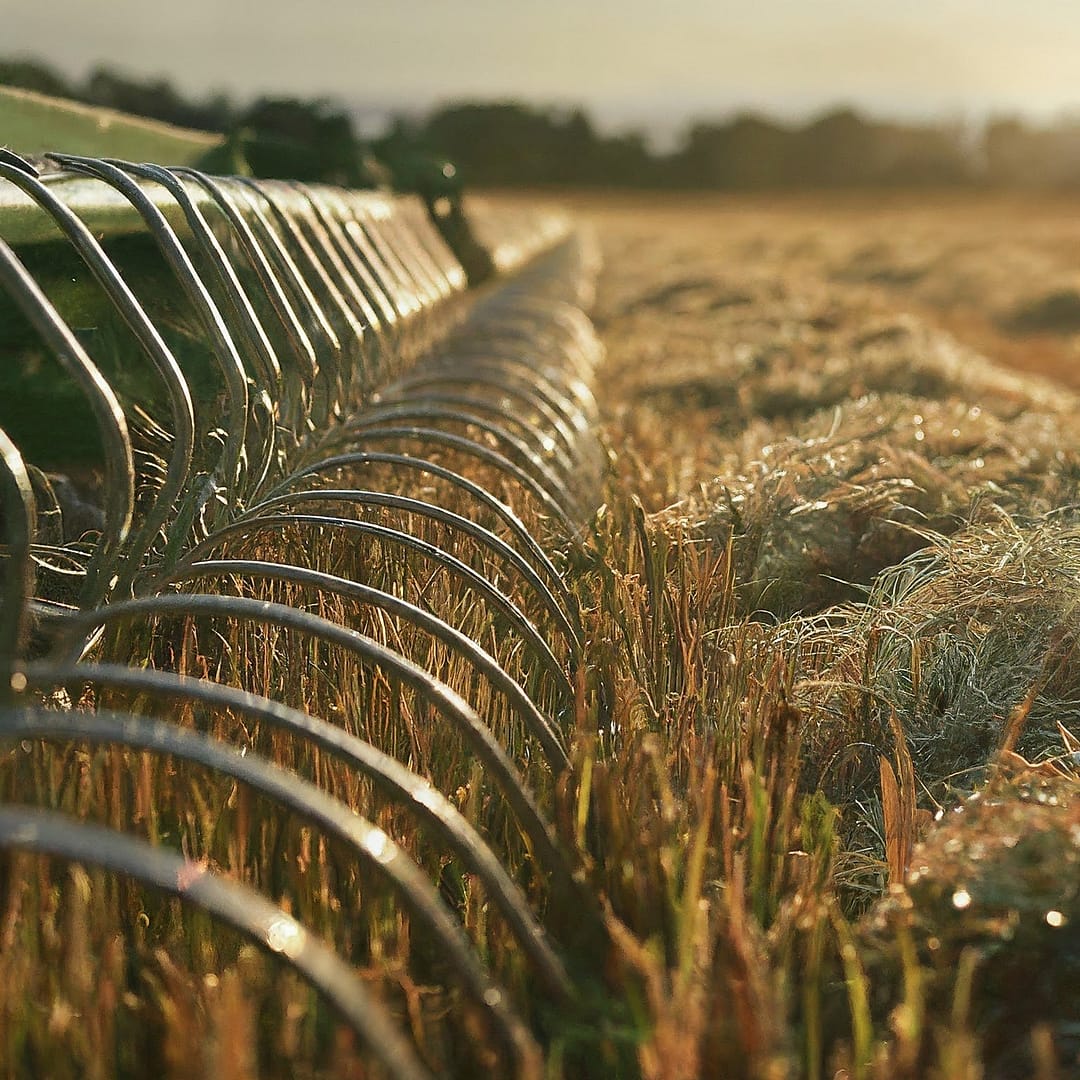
[(345, 341)]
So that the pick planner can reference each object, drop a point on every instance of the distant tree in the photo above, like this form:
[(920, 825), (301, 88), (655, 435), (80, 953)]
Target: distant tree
[(924, 156), (287, 138), (497, 144), (1020, 155), (749, 151), (839, 149), (155, 98), (29, 74)]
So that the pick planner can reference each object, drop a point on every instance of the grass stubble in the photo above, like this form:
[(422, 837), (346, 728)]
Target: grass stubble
[(823, 811)]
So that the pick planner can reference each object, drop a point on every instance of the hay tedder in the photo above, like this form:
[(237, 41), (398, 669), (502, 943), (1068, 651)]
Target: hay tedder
[(288, 653)]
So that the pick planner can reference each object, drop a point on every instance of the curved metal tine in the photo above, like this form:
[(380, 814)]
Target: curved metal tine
[(119, 485), (424, 283), (406, 242), (347, 270), (493, 595), (372, 294), (404, 238), (392, 778), (300, 346), (481, 494), (570, 368), (565, 386), (509, 329), (237, 906), (515, 400), (295, 224), (535, 829), (249, 198), (443, 258), (471, 448), (522, 317), (222, 345), (570, 398), (131, 311), (9, 157), (543, 472), (559, 450), (20, 515), (371, 223), (253, 334), (534, 721), (344, 332), (369, 843), (535, 383), (484, 537), (415, 260), (544, 293)]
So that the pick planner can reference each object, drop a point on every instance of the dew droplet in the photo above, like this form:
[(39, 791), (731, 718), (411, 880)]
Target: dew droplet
[(1055, 919), (285, 936), (961, 899)]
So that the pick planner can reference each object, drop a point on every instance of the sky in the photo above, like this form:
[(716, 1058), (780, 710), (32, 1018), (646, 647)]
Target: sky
[(631, 62)]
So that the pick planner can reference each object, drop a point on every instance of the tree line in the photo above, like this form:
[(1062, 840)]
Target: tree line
[(512, 144)]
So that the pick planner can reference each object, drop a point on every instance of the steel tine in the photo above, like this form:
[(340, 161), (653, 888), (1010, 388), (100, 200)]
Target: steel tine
[(295, 225), (535, 722), (301, 348), (480, 584), (119, 471), (369, 225), (131, 311), (446, 264), (476, 491), (544, 473), (482, 536), (372, 295), (536, 388), (414, 257), (564, 391), (252, 333), (469, 447), (237, 906), (535, 829), (347, 272), (374, 848), (391, 777), (403, 239), (249, 197), (222, 345), (543, 444), (20, 514)]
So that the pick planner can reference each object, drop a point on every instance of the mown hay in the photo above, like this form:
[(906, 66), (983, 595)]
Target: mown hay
[(952, 642), (995, 895), (862, 486)]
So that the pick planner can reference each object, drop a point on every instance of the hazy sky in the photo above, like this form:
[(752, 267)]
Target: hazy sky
[(626, 59)]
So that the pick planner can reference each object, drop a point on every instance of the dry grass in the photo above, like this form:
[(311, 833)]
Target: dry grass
[(823, 805)]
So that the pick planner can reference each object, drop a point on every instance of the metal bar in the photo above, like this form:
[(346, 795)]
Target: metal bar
[(237, 906), (389, 775)]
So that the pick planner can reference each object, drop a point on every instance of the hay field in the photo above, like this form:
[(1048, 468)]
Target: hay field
[(821, 812), (863, 411)]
